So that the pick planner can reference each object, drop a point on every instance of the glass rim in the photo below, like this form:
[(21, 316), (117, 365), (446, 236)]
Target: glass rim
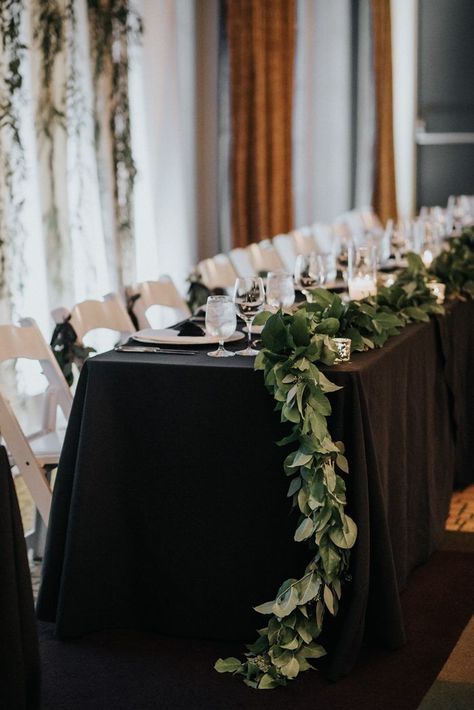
[(219, 299)]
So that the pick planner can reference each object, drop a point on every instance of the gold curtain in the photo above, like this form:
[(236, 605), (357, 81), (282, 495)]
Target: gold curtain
[(384, 199), (261, 36)]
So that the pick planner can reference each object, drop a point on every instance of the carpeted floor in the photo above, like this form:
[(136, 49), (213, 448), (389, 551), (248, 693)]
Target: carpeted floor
[(128, 671)]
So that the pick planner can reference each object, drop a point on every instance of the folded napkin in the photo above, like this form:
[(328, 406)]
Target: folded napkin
[(190, 329)]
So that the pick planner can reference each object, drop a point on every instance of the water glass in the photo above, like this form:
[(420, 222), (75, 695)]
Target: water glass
[(362, 273), (221, 322), (249, 299), (280, 290), (309, 273)]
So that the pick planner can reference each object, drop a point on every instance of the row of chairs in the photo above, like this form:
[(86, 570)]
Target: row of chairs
[(34, 455), (280, 252)]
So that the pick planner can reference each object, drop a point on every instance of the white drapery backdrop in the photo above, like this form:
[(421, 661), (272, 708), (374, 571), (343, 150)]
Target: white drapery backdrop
[(163, 109), (333, 119)]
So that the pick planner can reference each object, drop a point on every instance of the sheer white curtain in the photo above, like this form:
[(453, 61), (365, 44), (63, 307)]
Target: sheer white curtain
[(83, 268), (163, 113), (322, 111), (334, 109)]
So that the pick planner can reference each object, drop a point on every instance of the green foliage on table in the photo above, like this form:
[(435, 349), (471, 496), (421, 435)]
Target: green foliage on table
[(293, 346), (455, 266)]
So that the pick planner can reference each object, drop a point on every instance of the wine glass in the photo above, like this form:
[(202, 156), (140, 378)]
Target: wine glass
[(280, 290), (249, 299), (309, 273), (221, 322)]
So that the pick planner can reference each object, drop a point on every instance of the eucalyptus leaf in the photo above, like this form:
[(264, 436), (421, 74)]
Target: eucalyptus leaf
[(228, 665)]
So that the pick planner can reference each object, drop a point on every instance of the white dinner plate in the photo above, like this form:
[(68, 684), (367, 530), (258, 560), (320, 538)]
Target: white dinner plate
[(168, 335)]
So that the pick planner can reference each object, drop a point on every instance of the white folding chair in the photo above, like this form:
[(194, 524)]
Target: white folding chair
[(34, 454), (217, 272), (303, 240), (157, 293), (370, 221), (323, 238), (242, 262), (285, 247), (265, 257), (109, 314)]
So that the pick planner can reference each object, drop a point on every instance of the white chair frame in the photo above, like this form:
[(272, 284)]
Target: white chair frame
[(217, 272), (265, 257), (157, 293), (110, 313), (35, 454)]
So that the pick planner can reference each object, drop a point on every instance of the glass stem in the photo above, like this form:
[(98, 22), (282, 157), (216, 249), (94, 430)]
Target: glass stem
[(249, 333), (221, 346)]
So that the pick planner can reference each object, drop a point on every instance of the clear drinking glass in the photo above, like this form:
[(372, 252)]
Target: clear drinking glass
[(362, 272), (309, 273), (249, 299), (221, 322), (280, 290)]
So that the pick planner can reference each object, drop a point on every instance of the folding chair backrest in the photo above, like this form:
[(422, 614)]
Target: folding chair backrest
[(242, 262), (26, 341), (217, 272), (303, 240), (157, 293), (265, 257), (323, 238), (285, 247), (110, 313)]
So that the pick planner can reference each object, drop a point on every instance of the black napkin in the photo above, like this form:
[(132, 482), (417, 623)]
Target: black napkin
[(189, 329)]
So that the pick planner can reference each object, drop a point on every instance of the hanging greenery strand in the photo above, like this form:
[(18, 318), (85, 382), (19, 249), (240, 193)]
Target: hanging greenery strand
[(293, 346), (12, 156), (114, 25), (49, 36)]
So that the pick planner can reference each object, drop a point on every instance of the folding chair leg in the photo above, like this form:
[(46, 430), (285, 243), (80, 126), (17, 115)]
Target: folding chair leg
[(36, 538)]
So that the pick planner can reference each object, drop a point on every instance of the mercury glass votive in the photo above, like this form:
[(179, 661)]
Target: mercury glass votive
[(438, 289), (343, 346)]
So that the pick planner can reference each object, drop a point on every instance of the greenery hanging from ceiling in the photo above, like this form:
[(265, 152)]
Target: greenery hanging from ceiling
[(114, 25), (60, 113), (12, 154), (49, 39)]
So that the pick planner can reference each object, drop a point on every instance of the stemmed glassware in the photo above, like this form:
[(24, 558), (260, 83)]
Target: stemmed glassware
[(221, 321), (310, 272), (280, 290), (249, 299)]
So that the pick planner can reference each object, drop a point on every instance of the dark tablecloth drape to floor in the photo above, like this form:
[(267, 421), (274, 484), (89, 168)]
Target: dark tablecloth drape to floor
[(169, 510), (457, 339), (19, 651)]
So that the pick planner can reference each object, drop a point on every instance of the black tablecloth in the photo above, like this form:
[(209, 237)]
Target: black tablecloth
[(169, 510), (19, 654), (457, 338)]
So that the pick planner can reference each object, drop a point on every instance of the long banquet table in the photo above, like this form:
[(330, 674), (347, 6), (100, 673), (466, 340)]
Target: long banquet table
[(170, 511)]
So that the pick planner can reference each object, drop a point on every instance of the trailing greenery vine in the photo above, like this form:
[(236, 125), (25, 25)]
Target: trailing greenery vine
[(49, 36), (293, 346), (113, 26), (12, 156), (455, 266)]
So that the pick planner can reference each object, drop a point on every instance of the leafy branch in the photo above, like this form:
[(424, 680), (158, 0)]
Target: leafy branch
[(455, 266), (293, 345), (12, 155)]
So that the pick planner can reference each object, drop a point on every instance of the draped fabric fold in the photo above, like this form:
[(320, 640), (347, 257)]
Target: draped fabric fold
[(261, 36), (384, 197)]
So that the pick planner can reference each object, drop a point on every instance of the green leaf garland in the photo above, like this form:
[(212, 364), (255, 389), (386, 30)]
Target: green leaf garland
[(294, 344)]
